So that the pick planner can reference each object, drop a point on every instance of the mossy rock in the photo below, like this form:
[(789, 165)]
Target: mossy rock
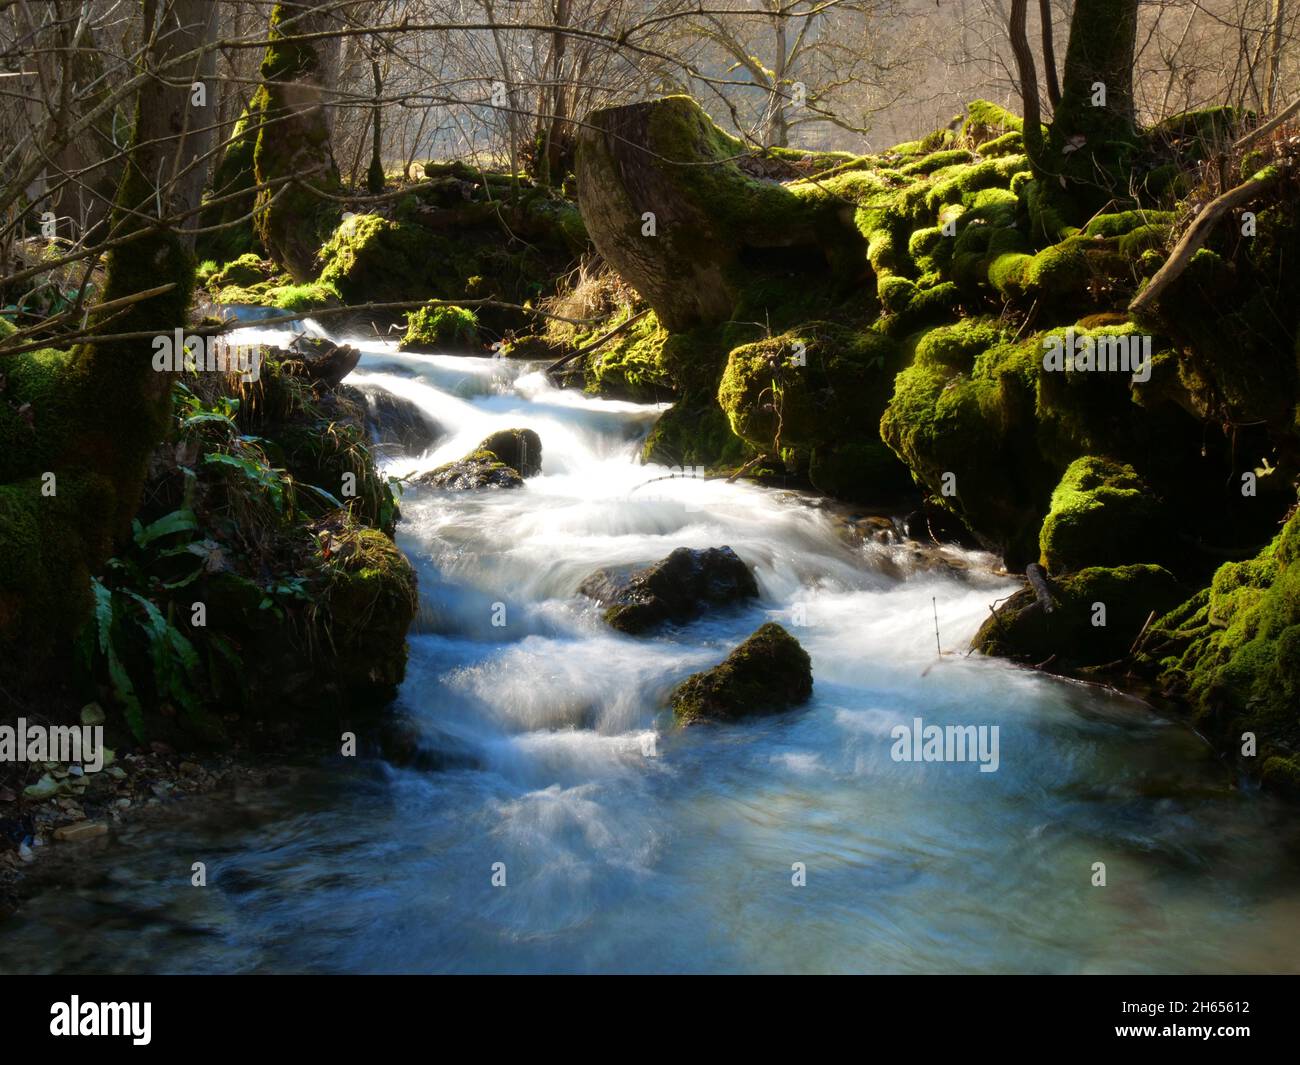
[(440, 329), (962, 419), (768, 673), (820, 384), (1069, 636), (987, 429), (1232, 651), (694, 432), (503, 460), (631, 365), (862, 471), (520, 449), (679, 588), (715, 226), (1102, 514), (248, 269), (369, 258), (371, 600)]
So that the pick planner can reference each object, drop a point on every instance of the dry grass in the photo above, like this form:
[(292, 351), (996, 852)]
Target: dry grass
[(592, 291)]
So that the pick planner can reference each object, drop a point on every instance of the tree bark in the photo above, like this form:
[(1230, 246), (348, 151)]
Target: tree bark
[(1028, 76), (1049, 53), (295, 138), (1103, 37), (98, 411)]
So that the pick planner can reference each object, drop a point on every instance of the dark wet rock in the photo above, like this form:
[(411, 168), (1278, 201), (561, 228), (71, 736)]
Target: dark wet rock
[(872, 529), (500, 461), (678, 588), (478, 469), (325, 361), (1069, 637), (395, 424), (520, 449), (933, 524), (768, 673)]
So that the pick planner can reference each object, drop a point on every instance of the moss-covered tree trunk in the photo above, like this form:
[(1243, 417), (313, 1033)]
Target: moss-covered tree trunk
[(294, 138), (78, 427), (1099, 56), (1094, 127)]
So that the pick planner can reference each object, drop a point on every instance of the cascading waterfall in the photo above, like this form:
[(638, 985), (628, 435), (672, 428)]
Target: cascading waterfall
[(571, 827)]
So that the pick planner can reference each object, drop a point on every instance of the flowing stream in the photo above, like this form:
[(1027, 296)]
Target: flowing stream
[(628, 845)]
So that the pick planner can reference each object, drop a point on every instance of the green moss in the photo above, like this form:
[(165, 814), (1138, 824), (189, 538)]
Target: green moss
[(1012, 143), (767, 673), (817, 384), (1102, 514), (1116, 225), (694, 432), (985, 121), (937, 160), (1233, 651), (1069, 636), (248, 269), (440, 327), (303, 297), (371, 259), (864, 471), (370, 593), (234, 177), (631, 365)]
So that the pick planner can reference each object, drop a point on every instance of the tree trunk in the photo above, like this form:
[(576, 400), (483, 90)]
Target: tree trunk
[(667, 205), (96, 413), (1275, 54), (1099, 60), (1028, 76), (295, 138), (1049, 53), (375, 175)]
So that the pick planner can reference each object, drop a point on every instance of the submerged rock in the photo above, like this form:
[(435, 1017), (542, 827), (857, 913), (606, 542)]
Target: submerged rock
[(677, 588), (767, 673), (503, 460)]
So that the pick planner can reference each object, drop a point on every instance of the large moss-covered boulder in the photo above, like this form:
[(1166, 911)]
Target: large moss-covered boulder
[(818, 391), (812, 385), (518, 448), (1096, 616), (766, 674), (1102, 514), (680, 587), (371, 599), (369, 258), (503, 460), (989, 424), (1232, 651), (667, 203)]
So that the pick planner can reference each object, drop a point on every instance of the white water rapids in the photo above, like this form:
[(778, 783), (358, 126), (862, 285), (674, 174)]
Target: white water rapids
[(629, 845)]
